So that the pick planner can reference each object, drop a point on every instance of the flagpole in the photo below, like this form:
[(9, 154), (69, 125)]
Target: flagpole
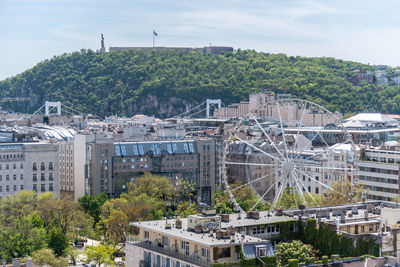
[(153, 38)]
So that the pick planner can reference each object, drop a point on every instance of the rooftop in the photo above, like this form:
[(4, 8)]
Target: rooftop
[(205, 239)]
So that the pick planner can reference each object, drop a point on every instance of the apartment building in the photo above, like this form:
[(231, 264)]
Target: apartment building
[(29, 166), (379, 172), (199, 240), (208, 238)]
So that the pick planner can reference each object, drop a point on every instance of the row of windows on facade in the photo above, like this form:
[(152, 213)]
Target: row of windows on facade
[(14, 177), (378, 159), (379, 170), (42, 166), (42, 177), (125, 167), (67, 164), (67, 183), (66, 151), (14, 166), (43, 187), (13, 156), (378, 179), (382, 189), (15, 188)]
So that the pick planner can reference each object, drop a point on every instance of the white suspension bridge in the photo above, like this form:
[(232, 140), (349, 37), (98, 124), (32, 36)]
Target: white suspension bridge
[(202, 110)]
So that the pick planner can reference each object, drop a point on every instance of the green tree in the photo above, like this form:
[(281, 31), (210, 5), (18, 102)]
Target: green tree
[(186, 208), (92, 205), (100, 254), (47, 257), (293, 250), (57, 241)]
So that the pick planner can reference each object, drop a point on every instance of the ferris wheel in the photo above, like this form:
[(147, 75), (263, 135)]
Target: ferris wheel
[(287, 143)]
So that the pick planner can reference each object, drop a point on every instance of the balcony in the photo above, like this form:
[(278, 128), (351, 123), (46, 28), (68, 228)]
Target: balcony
[(173, 253)]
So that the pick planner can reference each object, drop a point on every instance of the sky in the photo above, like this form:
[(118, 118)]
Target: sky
[(366, 31)]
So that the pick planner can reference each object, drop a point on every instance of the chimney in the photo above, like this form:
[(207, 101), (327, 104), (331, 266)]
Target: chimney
[(343, 217), (178, 224), (16, 262)]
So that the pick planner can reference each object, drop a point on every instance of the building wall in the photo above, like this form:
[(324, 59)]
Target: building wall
[(379, 172), (66, 155), (43, 154), (21, 168)]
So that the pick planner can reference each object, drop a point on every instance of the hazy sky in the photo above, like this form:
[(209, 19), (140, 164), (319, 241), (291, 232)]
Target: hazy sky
[(362, 30)]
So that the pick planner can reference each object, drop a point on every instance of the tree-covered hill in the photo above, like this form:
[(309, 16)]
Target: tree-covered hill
[(163, 82)]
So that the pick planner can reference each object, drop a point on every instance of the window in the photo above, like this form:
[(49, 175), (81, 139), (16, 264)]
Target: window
[(42, 177), (21, 187), (1, 189), (51, 178), (262, 252), (50, 166), (14, 166), (146, 235), (185, 247), (42, 166), (1, 177), (21, 166), (224, 253), (362, 228), (206, 254), (7, 188), (316, 190), (14, 177), (14, 188), (34, 167), (7, 167), (7, 177), (34, 178), (43, 187), (165, 241), (51, 187), (35, 187), (21, 177)]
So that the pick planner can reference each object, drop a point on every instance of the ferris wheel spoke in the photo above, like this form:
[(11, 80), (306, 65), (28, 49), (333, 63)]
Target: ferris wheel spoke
[(283, 132), (299, 191), (258, 149), (282, 181), (298, 128), (251, 164), (262, 197), (269, 139), (303, 185), (255, 180), (324, 185)]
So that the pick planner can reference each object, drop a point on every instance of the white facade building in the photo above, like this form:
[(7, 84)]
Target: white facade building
[(29, 166)]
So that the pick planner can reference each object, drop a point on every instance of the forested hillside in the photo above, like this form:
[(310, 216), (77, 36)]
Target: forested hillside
[(163, 82)]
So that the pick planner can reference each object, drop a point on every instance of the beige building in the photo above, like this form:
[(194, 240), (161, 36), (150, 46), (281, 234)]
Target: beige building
[(199, 240)]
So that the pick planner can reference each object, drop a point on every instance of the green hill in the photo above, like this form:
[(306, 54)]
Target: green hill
[(163, 82)]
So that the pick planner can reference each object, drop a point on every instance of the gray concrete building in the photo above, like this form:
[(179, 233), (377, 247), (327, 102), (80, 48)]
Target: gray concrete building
[(29, 166)]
